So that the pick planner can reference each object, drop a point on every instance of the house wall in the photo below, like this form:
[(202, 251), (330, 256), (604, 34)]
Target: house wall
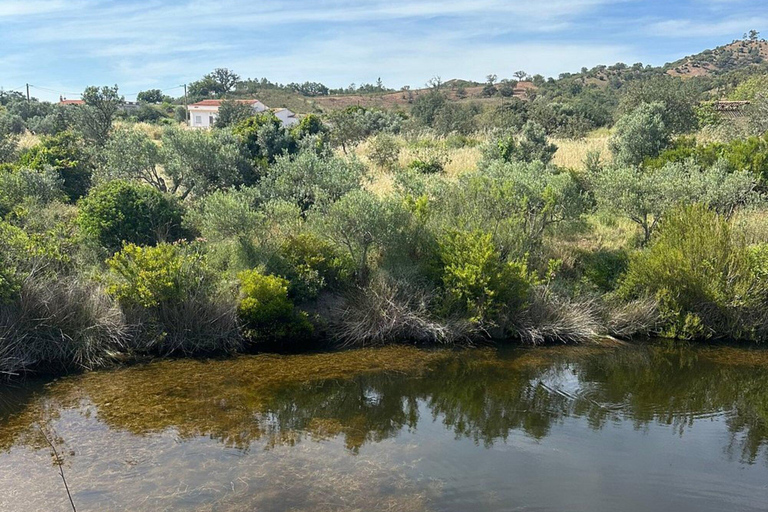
[(202, 117), (287, 117)]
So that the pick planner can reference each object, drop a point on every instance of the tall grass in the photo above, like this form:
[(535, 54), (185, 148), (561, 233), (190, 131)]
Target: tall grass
[(63, 324)]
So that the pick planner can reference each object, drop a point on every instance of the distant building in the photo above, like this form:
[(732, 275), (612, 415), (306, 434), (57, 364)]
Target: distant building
[(732, 109), (128, 106), (286, 117), (65, 101), (203, 114)]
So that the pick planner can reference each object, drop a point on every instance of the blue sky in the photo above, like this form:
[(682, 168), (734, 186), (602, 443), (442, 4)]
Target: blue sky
[(61, 46)]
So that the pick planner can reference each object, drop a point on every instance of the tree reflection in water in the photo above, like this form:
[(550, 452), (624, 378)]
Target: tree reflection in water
[(368, 396)]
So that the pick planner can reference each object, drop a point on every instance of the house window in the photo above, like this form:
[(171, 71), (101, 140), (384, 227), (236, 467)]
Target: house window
[(211, 120), (198, 120)]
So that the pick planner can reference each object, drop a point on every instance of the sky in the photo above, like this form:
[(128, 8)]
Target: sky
[(62, 46)]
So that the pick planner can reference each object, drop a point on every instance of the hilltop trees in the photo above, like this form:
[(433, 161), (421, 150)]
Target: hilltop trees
[(216, 84)]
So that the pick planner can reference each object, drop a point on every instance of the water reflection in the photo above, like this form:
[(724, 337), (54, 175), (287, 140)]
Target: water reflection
[(365, 398)]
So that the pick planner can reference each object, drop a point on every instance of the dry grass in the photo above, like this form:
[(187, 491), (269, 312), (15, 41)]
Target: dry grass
[(28, 140), (572, 152)]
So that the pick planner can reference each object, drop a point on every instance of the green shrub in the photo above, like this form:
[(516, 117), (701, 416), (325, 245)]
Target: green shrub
[(311, 264), (308, 179), (20, 186), (477, 281), (384, 151), (602, 268), (640, 134), (702, 274), (172, 295), (64, 154), (531, 145), (266, 312), (120, 211)]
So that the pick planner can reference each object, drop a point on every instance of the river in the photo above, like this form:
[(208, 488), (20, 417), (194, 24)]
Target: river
[(651, 427)]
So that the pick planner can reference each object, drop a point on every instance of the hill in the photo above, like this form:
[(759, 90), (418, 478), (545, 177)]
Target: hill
[(723, 59)]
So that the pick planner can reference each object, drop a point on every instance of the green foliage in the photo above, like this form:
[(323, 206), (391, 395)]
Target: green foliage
[(96, 116), (119, 212), (8, 148), (232, 112), (199, 161), (172, 295), (383, 151), (644, 195), (429, 160), (516, 202), (13, 250), (130, 155), (266, 312), (478, 281), (308, 179), (427, 106), (154, 96), (702, 274), (265, 138), (311, 264), (150, 276), (354, 124), (360, 222), (215, 84), (678, 98), (21, 186), (530, 146), (64, 154), (456, 118), (602, 268), (640, 134), (311, 124)]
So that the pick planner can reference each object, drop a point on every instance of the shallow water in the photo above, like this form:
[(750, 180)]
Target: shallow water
[(626, 428)]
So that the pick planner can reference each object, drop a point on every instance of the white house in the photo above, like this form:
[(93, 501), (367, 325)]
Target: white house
[(286, 117), (203, 114)]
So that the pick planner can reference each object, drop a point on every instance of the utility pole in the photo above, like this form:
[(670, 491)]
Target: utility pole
[(186, 104), (28, 93)]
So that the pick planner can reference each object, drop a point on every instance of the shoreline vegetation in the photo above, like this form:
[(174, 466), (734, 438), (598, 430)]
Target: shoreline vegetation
[(555, 219)]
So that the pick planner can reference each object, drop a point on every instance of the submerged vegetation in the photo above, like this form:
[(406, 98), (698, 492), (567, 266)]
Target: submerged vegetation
[(449, 223)]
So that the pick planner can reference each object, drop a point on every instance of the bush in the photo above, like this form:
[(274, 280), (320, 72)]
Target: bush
[(266, 312), (309, 179), (174, 298), (311, 265), (603, 268), (640, 134), (120, 211), (383, 151), (429, 160), (64, 154), (21, 186), (531, 145), (478, 282), (702, 274)]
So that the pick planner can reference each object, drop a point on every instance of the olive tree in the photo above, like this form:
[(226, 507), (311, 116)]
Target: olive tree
[(98, 113), (640, 134), (199, 161), (308, 179), (644, 196), (515, 202), (359, 222), (131, 155)]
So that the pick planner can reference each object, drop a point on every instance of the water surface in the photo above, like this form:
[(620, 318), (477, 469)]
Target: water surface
[(631, 428)]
